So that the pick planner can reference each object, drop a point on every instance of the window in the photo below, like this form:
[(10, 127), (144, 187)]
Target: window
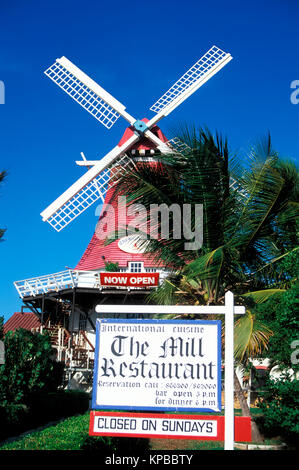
[(82, 322), (135, 267)]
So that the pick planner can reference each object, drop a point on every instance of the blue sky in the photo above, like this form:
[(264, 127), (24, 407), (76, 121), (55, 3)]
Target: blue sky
[(135, 50)]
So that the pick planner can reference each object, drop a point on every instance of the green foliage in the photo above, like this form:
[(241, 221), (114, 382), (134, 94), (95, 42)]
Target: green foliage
[(14, 419), (289, 268), (280, 406), (66, 435), (72, 434), (28, 367), (41, 408), (246, 225), (251, 337), (250, 221), (280, 313), (280, 398), (111, 267), (50, 406)]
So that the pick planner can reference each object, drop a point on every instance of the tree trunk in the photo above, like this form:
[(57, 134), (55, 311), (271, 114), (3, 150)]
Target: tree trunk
[(255, 433)]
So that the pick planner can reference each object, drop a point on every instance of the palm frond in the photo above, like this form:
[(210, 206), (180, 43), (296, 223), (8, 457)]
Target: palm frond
[(206, 266), (164, 294), (250, 337), (262, 295)]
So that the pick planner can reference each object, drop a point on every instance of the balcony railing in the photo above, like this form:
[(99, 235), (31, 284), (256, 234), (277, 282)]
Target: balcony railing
[(60, 281)]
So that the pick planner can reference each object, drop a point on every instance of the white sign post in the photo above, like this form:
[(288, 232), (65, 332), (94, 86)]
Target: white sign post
[(229, 310)]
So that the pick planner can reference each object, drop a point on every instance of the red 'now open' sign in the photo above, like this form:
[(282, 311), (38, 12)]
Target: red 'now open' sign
[(129, 279)]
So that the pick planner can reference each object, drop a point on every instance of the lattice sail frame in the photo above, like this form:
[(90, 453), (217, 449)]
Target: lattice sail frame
[(88, 98), (203, 66), (177, 145), (106, 109), (90, 193)]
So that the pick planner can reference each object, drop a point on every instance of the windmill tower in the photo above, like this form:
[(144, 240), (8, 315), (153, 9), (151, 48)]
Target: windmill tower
[(78, 290), (124, 252)]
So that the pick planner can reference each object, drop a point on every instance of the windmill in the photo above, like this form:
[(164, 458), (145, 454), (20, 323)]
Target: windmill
[(66, 300), (92, 185)]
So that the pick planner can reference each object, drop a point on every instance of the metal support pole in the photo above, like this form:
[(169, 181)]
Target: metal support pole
[(71, 336), (73, 312), (249, 388), (229, 373)]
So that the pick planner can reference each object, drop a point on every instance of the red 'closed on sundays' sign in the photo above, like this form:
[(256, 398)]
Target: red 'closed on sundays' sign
[(129, 279)]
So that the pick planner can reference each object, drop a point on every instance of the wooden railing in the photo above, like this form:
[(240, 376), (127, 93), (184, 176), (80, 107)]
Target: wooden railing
[(76, 350), (64, 280)]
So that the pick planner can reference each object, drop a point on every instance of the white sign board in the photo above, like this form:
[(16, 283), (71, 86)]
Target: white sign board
[(157, 365)]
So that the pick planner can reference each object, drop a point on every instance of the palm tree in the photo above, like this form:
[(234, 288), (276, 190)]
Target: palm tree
[(250, 217)]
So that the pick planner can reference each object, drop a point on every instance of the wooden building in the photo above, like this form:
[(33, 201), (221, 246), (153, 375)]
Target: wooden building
[(65, 301)]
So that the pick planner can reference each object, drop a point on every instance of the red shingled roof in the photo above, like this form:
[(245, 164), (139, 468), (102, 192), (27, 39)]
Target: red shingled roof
[(26, 320), (97, 253)]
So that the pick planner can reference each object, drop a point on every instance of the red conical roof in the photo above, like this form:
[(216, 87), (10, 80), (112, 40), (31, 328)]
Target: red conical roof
[(119, 251)]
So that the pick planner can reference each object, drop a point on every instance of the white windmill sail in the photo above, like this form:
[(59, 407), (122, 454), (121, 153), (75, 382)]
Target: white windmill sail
[(85, 91), (86, 190), (177, 145), (91, 96), (204, 69), (106, 109)]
